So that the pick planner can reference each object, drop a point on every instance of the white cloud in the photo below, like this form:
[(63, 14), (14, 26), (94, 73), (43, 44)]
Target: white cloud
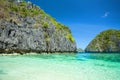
[(105, 14)]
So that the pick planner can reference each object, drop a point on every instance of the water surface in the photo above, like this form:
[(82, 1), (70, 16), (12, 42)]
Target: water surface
[(60, 67)]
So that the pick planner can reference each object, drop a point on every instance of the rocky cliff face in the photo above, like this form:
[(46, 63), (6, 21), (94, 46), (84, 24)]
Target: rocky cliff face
[(106, 41), (24, 27)]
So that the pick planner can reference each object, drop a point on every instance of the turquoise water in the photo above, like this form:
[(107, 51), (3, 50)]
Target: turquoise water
[(60, 67)]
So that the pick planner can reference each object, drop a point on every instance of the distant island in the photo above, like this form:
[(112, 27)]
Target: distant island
[(25, 27), (80, 50), (106, 41)]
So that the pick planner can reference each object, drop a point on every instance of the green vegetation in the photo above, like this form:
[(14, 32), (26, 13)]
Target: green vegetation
[(69, 37), (24, 11), (20, 8), (106, 41), (23, 4), (4, 9), (42, 12), (45, 24), (43, 19), (47, 39), (46, 36)]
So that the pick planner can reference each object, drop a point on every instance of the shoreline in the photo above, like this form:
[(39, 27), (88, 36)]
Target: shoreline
[(33, 53), (19, 54), (16, 54)]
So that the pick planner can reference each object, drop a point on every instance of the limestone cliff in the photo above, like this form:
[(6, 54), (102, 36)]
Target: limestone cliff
[(106, 41), (24, 27)]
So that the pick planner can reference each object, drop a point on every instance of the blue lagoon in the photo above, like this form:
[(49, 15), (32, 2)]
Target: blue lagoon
[(60, 67)]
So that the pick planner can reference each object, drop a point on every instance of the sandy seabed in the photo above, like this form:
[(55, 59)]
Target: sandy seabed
[(57, 67)]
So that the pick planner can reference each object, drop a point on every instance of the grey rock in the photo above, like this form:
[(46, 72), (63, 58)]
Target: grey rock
[(27, 39), (23, 34)]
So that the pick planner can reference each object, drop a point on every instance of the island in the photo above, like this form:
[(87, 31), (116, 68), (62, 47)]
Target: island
[(107, 41), (25, 27)]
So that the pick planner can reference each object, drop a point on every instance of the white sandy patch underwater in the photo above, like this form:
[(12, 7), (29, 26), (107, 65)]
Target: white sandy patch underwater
[(60, 67)]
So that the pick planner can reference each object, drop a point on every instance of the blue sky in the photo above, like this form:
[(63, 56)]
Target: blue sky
[(85, 18)]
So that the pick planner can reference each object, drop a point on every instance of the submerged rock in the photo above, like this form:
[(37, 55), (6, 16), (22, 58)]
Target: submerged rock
[(24, 28), (106, 41)]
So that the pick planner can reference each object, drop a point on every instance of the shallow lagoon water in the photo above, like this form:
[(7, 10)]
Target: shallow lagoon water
[(60, 67)]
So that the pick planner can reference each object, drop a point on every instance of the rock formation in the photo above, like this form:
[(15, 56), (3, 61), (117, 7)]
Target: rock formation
[(106, 41), (24, 27)]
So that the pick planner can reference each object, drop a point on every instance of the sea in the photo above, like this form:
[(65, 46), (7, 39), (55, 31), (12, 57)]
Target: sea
[(61, 66)]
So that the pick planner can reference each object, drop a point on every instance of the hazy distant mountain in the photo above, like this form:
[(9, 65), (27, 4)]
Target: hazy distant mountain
[(80, 50)]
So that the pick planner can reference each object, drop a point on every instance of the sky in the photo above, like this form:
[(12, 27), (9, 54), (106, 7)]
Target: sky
[(85, 18)]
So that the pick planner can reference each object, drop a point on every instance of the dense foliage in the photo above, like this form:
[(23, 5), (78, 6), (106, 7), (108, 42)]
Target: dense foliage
[(106, 41)]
